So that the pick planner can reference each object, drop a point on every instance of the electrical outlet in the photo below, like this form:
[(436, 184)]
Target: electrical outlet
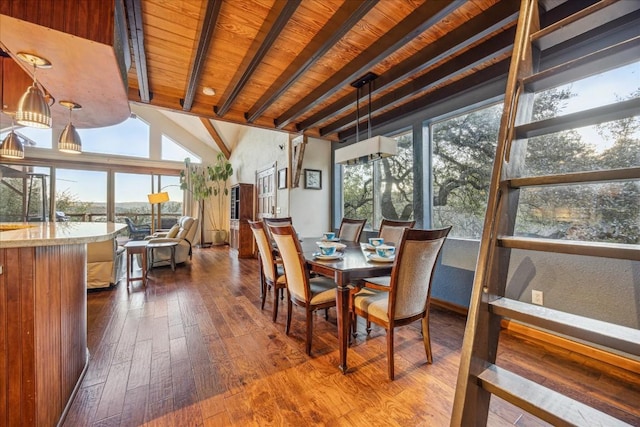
[(537, 297)]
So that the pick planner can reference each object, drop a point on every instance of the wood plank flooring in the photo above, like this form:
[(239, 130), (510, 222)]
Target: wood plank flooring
[(193, 348)]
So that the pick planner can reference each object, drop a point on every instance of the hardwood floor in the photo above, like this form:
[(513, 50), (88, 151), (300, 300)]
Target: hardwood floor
[(193, 348)]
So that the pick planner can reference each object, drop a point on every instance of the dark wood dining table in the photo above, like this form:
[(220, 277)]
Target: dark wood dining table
[(354, 264)]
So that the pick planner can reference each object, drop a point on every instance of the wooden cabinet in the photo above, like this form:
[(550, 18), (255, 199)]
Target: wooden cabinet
[(240, 235)]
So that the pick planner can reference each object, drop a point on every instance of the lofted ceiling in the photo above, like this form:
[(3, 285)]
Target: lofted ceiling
[(290, 64)]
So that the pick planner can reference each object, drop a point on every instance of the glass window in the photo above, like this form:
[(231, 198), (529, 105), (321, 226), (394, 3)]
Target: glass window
[(25, 193), (32, 137), (381, 189), (463, 148), (167, 213), (81, 195), (129, 138), (171, 150), (131, 191)]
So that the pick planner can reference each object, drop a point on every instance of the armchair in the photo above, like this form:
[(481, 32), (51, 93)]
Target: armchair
[(184, 233), (137, 232), (104, 263)]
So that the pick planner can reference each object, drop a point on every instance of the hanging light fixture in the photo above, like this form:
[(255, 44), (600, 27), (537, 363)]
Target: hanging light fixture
[(372, 148), (33, 109), (12, 147), (69, 141)]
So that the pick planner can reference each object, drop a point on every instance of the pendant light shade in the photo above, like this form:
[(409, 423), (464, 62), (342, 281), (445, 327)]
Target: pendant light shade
[(69, 141), (33, 109), (12, 147), (374, 147)]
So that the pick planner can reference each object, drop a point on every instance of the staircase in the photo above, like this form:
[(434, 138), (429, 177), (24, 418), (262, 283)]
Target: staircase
[(605, 33)]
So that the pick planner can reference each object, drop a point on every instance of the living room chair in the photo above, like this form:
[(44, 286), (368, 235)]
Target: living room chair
[(137, 232), (351, 229), (311, 293), (271, 272), (184, 232), (391, 230), (405, 296), (275, 221)]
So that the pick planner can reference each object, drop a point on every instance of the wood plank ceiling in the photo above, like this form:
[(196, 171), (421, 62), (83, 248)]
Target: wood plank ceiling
[(289, 64)]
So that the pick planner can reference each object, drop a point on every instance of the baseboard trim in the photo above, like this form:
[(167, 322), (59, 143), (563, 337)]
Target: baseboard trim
[(531, 333), (450, 306)]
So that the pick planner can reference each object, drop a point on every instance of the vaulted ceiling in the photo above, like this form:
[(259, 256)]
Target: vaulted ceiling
[(290, 64)]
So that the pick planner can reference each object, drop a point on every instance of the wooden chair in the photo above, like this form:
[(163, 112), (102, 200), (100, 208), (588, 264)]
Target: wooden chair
[(351, 229), (391, 230), (271, 274), (311, 293), (405, 297), (275, 221)]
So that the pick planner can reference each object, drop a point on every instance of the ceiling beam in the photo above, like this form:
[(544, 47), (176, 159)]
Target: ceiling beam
[(284, 10), (495, 71), (478, 57), (202, 41), (425, 16), (481, 26), (136, 31), (340, 23), (216, 137)]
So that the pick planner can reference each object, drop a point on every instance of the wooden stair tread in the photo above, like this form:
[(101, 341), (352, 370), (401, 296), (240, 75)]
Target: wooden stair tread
[(542, 402), (573, 247), (615, 337), (598, 176)]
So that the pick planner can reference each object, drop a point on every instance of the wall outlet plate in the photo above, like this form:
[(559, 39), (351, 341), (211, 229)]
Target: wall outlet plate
[(537, 297)]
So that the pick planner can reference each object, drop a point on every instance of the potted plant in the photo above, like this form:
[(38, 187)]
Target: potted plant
[(219, 175), (195, 179), (204, 181)]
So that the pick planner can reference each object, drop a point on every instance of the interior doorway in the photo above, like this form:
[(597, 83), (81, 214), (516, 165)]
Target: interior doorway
[(266, 192)]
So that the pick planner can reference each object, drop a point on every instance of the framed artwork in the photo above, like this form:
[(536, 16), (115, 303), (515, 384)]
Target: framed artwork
[(282, 178), (298, 145), (312, 179)]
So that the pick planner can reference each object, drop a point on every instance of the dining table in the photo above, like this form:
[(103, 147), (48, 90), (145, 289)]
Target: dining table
[(353, 264)]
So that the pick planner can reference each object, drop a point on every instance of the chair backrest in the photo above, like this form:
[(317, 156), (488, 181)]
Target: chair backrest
[(391, 230), (412, 273), (275, 221), (351, 229), (293, 261), (264, 248), (130, 225), (188, 228)]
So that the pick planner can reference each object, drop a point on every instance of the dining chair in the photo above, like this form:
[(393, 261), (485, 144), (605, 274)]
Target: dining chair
[(271, 272), (405, 296), (275, 221), (312, 293), (391, 230), (351, 229)]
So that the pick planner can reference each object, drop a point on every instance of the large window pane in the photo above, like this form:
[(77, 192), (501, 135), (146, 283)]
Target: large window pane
[(129, 138), (82, 195), (167, 213), (171, 150), (463, 151), (25, 193), (131, 197), (381, 189)]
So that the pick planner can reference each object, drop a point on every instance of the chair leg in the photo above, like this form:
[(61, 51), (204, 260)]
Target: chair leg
[(276, 292), (326, 314), (390, 364), (263, 291), (368, 327), (427, 339), (289, 308), (309, 330)]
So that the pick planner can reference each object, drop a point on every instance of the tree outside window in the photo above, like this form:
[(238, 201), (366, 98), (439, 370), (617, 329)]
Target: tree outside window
[(381, 189)]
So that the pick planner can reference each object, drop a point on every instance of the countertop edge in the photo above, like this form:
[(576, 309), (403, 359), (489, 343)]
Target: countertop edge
[(55, 234)]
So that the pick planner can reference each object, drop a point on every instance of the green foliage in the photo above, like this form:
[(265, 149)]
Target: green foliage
[(204, 181)]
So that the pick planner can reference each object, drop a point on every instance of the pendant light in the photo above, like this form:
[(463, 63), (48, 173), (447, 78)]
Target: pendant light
[(372, 148), (12, 147), (33, 109), (69, 141)]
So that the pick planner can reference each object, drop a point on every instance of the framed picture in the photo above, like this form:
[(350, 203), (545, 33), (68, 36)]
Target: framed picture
[(312, 179), (282, 178)]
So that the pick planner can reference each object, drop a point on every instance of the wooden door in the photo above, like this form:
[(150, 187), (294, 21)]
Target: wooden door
[(266, 192)]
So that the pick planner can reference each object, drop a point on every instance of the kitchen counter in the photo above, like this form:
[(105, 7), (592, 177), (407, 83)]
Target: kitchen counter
[(29, 234), (43, 317)]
